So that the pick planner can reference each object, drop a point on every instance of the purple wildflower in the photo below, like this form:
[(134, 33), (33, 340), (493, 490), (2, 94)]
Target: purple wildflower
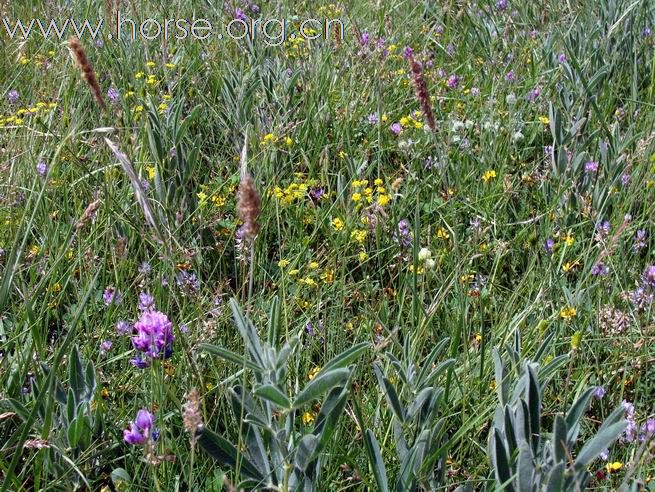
[(239, 14), (640, 240), (365, 38), (140, 363), (42, 168), (145, 268), (646, 32), (600, 270), (453, 81), (533, 94), (123, 328), (549, 245), (599, 392), (561, 58), (630, 431), (105, 347), (316, 193), (591, 167), (146, 301), (408, 52), (141, 429), (396, 129), (373, 118), (510, 76), (13, 96), (111, 296), (113, 95), (625, 179), (188, 282), (154, 335), (184, 328), (404, 235), (501, 4), (475, 91), (648, 277), (640, 299)]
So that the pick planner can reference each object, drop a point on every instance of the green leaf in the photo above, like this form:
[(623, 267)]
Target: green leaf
[(526, 469), (576, 412), (248, 333), (120, 475), (390, 393), (346, 357), (444, 366), (76, 375), (598, 444), (534, 405), (376, 461), (331, 411), (306, 452), (274, 395), (556, 478), (320, 385), (500, 462), (230, 356), (560, 429), (226, 453)]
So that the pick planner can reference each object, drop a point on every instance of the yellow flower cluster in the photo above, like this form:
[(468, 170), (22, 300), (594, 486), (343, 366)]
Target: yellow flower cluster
[(296, 191), (412, 121), (312, 274), (19, 117), (362, 192)]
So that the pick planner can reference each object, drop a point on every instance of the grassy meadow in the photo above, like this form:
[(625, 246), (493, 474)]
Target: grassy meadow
[(415, 257)]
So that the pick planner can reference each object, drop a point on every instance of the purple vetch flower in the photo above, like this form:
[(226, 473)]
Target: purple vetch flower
[(154, 335), (42, 168), (648, 277), (404, 235), (549, 245), (501, 4), (113, 95), (646, 32), (640, 299), (123, 328), (316, 193), (184, 328), (600, 270), (648, 429), (604, 455), (146, 302), (533, 94), (450, 49), (453, 81), (630, 432), (173, 152), (561, 58), (105, 347), (396, 129), (625, 179), (111, 296), (599, 392), (188, 282), (602, 231), (439, 29), (364, 38), (309, 328), (408, 52), (141, 429), (373, 118), (510, 76), (591, 167), (441, 73), (475, 91), (13, 96), (548, 150), (145, 268), (239, 14), (640, 240), (140, 363)]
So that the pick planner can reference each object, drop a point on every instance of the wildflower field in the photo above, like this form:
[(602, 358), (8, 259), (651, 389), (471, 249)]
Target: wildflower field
[(410, 255)]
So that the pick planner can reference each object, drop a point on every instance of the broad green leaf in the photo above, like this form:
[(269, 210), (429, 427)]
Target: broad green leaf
[(346, 357), (230, 356), (376, 461), (274, 395), (596, 445), (226, 453), (320, 385)]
